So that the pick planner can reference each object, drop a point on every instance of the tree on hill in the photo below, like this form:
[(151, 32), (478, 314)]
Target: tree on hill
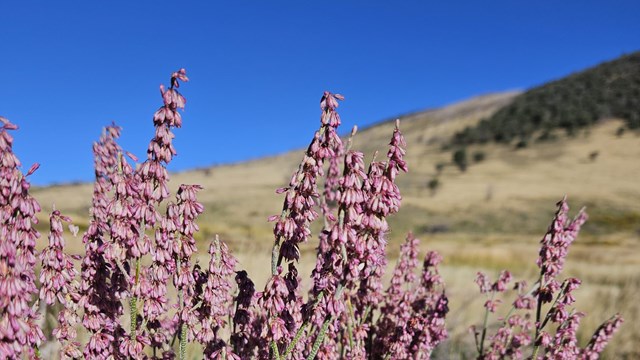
[(460, 159)]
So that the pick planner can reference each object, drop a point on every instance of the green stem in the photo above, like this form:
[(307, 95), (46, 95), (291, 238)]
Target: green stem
[(484, 327), (302, 329), (323, 329), (349, 323), (319, 339), (173, 339), (133, 314), (274, 349), (183, 341), (133, 304), (365, 315), (295, 340), (535, 352)]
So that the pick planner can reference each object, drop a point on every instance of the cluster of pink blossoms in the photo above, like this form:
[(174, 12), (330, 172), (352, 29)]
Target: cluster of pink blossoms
[(522, 326), (338, 318), (412, 317), (293, 227), (58, 279), (19, 332)]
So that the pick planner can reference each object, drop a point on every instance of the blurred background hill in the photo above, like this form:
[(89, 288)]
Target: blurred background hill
[(485, 174)]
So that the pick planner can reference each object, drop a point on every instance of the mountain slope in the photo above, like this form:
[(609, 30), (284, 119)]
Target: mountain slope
[(239, 197)]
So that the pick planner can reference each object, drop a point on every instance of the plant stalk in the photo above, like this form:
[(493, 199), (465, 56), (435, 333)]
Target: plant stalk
[(319, 339), (484, 327), (274, 349)]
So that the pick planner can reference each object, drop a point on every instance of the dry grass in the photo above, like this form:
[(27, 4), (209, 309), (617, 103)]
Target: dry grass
[(492, 216)]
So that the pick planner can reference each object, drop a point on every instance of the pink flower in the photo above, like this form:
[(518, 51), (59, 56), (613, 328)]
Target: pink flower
[(601, 337), (18, 237)]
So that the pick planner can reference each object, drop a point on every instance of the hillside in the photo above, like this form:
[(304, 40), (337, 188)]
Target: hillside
[(608, 90), (239, 197)]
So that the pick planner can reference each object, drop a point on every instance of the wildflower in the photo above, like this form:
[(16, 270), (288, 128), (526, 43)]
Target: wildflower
[(242, 339), (293, 225), (564, 344), (17, 253), (57, 272), (58, 282), (555, 247), (382, 199), (412, 319), (397, 309), (216, 297), (601, 337), (101, 307)]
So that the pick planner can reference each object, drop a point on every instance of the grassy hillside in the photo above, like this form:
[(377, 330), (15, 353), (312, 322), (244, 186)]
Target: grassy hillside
[(490, 217), (238, 198), (510, 184), (611, 89)]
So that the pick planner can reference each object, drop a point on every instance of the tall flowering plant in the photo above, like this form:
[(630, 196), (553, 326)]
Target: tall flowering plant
[(548, 304), (19, 332)]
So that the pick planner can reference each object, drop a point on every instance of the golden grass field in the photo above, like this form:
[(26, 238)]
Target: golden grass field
[(490, 217)]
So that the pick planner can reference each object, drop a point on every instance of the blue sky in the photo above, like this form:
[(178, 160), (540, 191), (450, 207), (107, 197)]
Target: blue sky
[(258, 69)]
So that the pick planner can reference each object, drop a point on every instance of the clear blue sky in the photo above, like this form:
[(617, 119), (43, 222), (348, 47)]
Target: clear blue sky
[(258, 68)]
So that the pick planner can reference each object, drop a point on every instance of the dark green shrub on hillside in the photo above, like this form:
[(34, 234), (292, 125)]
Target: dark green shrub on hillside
[(611, 89), (433, 185), (479, 156), (460, 159)]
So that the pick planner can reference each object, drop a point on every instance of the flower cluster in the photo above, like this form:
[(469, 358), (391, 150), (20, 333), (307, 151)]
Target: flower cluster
[(412, 318), (58, 283), (101, 307), (212, 306), (19, 333), (293, 226), (521, 327), (601, 337), (555, 247), (383, 199)]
